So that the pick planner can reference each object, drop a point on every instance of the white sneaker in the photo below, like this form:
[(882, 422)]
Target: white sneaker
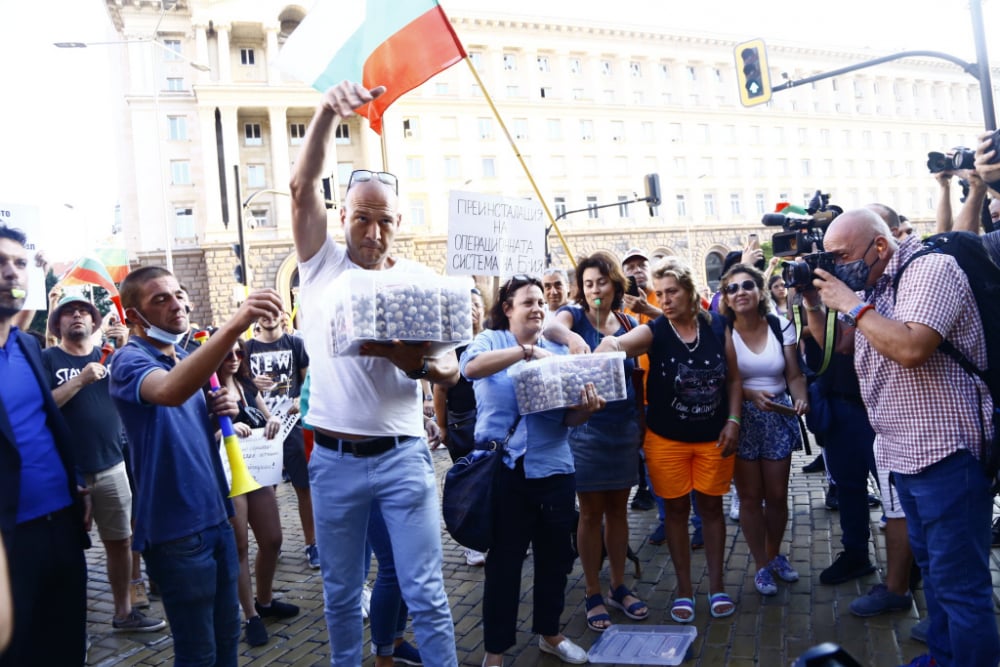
[(366, 601), (475, 558), (734, 507)]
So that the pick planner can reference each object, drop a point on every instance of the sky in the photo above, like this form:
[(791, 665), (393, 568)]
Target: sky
[(59, 141)]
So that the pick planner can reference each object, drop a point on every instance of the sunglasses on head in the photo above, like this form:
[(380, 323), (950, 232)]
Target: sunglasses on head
[(746, 286), (364, 175), (516, 281)]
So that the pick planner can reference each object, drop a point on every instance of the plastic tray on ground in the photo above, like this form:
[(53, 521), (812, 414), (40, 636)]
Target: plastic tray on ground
[(643, 645)]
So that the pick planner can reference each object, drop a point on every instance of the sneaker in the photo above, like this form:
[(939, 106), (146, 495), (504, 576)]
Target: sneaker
[(277, 609), (312, 556), (566, 651), (764, 582), (697, 540), (918, 632), (924, 660), (136, 622), (882, 522), (781, 567), (734, 507), (137, 596), (880, 600), (366, 601), (816, 465), (832, 501), (643, 500), (847, 566), (255, 633), (658, 536), (874, 501), (475, 558), (407, 654)]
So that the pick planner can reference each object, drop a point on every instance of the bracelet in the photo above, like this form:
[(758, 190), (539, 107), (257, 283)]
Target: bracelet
[(734, 419), (864, 309)]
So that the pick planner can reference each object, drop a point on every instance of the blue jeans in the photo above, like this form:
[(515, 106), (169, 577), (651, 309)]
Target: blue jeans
[(197, 579), (388, 611), (850, 456), (401, 481), (948, 512)]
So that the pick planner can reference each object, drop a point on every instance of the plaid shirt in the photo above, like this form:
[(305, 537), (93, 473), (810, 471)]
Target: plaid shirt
[(922, 415)]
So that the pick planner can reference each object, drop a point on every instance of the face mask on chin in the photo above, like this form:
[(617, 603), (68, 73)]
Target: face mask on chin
[(160, 335), (855, 274)]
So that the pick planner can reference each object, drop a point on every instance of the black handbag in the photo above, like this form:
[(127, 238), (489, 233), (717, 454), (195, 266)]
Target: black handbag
[(468, 502)]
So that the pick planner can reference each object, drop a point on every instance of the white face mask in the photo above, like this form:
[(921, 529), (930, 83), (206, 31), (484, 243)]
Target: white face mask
[(158, 334)]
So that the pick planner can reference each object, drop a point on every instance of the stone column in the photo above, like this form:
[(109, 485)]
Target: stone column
[(273, 73), (280, 170), (225, 57)]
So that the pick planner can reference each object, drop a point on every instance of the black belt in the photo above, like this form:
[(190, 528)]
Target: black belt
[(360, 448)]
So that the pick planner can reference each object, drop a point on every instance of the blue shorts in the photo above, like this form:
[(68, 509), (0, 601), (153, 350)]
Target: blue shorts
[(768, 435)]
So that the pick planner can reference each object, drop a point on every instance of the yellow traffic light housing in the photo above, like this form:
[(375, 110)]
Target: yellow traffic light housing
[(752, 72)]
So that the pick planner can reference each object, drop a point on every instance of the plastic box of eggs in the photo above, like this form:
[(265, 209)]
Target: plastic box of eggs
[(558, 381), (383, 306)]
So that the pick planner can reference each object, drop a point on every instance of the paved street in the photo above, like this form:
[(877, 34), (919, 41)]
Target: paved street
[(768, 632)]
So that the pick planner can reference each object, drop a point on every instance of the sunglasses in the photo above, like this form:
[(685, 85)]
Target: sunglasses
[(235, 355), (746, 286), (364, 175), (517, 281)]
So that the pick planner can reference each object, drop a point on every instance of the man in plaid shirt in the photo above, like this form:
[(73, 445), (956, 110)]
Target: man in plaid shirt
[(930, 417)]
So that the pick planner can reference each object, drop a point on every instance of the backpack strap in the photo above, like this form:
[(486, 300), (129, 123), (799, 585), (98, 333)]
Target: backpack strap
[(623, 320)]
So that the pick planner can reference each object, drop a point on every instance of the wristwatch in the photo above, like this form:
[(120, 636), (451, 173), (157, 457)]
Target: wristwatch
[(855, 313), (419, 373)]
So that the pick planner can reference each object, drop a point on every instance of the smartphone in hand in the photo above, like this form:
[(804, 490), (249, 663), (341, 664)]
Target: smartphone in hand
[(753, 241), (633, 287)]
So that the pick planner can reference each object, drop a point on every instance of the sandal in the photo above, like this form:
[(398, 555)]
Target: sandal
[(597, 622), (637, 611), (716, 600), (682, 604)]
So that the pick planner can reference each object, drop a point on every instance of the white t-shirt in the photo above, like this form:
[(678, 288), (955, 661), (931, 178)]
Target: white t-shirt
[(764, 371), (359, 395)]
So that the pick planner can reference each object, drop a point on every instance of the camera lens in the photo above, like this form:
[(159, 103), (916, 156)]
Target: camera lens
[(963, 158)]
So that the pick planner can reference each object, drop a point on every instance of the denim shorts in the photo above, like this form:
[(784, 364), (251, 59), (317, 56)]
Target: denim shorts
[(605, 458)]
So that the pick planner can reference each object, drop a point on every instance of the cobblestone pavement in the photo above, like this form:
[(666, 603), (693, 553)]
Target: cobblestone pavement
[(767, 632)]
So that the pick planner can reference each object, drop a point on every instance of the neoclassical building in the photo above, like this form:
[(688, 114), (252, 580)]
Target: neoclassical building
[(591, 107)]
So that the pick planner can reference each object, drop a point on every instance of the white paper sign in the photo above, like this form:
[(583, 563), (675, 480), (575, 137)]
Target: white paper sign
[(263, 457), (494, 236), (25, 218)]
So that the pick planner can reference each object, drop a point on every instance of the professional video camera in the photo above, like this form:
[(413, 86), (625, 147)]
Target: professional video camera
[(802, 231)]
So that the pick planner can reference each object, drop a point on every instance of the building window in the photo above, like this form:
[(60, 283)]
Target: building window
[(175, 84), (760, 203), (692, 75), (441, 88), (180, 172), (173, 50), (590, 166), (256, 176), (586, 130), (664, 72), (709, 206), (344, 170), (296, 132), (577, 94), (184, 223), (510, 62), (592, 207), (411, 128), (635, 68), (489, 167), (251, 134), (543, 63), (623, 202), (261, 217), (178, 128), (555, 129), (606, 67), (418, 217), (247, 57), (648, 136), (520, 128), (617, 131), (735, 207), (477, 59), (415, 167), (806, 167), (560, 207), (485, 128), (682, 209), (513, 91), (452, 166), (574, 66), (343, 133), (545, 92)]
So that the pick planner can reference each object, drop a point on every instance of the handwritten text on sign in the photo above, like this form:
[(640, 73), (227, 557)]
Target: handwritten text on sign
[(494, 236)]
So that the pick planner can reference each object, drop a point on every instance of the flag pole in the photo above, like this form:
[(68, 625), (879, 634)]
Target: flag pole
[(517, 153)]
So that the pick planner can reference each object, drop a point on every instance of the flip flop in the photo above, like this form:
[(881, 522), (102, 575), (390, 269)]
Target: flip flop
[(594, 601), (637, 611), (682, 604), (716, 600)]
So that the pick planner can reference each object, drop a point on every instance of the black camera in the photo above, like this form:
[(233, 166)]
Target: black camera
[(802, 232), (801, 274), (938, 162), (963, 158)]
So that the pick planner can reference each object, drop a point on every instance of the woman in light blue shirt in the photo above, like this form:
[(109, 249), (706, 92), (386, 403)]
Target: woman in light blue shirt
[(535, 488)]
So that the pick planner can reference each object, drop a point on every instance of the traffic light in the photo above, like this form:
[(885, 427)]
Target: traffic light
[(752, 73), (238, 269), (328, 192), (653, 190)]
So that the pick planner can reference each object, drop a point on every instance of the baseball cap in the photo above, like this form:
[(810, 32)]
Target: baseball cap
[(635, 252), (95, 315)]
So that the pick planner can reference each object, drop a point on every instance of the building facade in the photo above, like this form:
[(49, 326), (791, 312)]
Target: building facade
[(591, 108)]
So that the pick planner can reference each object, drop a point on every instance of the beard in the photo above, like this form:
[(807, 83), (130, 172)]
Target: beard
[(76, 335)]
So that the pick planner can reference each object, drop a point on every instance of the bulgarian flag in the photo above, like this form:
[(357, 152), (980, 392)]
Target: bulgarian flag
[(91, 271), (115, 260), (398, 44)]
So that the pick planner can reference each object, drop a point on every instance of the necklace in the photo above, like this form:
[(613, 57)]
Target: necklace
[(697, 335)]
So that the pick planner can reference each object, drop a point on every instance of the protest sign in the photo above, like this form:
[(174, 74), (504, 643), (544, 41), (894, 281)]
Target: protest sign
[(494, 236)]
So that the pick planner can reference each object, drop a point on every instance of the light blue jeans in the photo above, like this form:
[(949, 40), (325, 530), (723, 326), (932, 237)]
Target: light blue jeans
[(948, 511), (402, 482)]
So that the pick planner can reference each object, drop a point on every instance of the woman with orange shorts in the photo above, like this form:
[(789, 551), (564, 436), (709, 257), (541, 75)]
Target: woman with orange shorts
[(695, 397)]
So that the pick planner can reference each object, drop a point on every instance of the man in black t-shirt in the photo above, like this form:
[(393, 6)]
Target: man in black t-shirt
[(79, 383), (278, 364)]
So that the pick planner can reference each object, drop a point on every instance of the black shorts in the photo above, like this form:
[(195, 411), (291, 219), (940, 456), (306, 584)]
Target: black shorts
[(294, 458)]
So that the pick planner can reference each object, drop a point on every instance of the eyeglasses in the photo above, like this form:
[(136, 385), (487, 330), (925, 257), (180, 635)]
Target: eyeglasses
[(746, 286), (364, 175), (235, 355)]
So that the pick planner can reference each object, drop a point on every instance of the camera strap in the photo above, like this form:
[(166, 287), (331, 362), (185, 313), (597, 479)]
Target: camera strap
[(828, 342)]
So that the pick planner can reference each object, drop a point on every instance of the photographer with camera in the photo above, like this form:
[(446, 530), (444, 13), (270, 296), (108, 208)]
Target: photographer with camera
[(987, 164), (927, 413)]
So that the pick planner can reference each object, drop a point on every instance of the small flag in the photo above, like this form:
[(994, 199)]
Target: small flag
[(115, 260), (398, 44), (91, 271)]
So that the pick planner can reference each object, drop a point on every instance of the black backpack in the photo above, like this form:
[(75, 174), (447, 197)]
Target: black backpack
[(984, 279)]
